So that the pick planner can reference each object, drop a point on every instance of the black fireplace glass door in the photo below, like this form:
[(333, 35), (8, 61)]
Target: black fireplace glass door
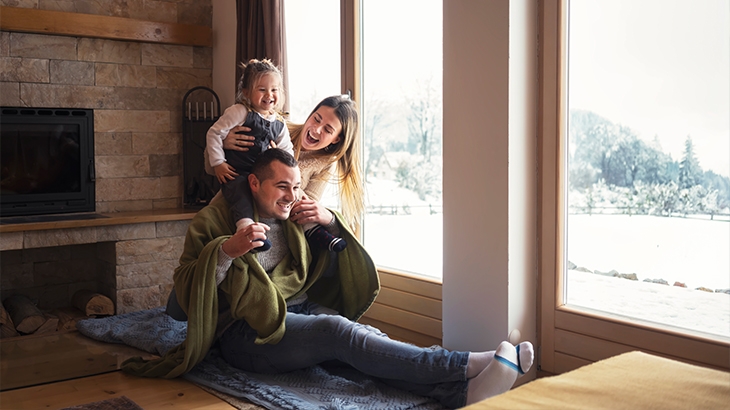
[(46, 161), (40, 159)]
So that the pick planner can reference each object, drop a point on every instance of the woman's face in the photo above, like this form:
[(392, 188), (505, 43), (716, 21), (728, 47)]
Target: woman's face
[(321, 129)]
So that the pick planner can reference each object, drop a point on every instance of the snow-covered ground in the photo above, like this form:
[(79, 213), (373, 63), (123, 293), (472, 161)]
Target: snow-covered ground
[(695, 252), (692, 251), (665, 304), (419, 234)]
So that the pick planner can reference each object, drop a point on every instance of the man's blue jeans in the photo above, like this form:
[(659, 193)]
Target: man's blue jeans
[(313, 337)]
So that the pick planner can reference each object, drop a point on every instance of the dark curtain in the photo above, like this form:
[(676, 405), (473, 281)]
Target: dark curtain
[(260, 34)]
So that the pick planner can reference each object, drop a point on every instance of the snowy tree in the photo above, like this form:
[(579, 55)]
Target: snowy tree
[(425, 181), (376, 139), (690, 172), (659, 167), (627, 160), (721, 184), (424, 120), (665, 198), (638, 177)]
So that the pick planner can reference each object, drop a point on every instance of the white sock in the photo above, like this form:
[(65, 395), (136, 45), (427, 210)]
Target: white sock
[(525, 356), (478, 361), (242, 223), (497, 378)]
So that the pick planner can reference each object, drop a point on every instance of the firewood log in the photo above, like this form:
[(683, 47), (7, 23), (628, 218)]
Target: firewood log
[(7, 328), (24, 313), (67, 317), (92, 303), (49, 326)]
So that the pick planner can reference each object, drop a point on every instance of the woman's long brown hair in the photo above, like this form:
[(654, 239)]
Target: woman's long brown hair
[(346, 153)]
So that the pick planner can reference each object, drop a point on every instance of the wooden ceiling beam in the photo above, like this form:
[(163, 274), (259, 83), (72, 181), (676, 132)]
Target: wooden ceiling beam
[(90, 25)]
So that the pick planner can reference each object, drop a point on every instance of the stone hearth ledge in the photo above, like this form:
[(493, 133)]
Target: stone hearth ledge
[(107, 219), (142, 249)]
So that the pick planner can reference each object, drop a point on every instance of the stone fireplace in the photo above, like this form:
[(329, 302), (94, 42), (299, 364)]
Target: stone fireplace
[(135, 88), (129, 257)]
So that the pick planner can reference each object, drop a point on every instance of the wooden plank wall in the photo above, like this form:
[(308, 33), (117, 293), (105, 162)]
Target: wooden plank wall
[(408, 308), (581, 337)]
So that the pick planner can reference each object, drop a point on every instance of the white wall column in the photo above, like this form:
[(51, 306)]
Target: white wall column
[(490, 91)]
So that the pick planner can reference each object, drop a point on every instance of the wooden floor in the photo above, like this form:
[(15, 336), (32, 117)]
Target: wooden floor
[(150, 394), (68, 369)]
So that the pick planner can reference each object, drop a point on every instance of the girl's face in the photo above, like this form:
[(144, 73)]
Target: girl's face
[(265, 93), (321, 129)]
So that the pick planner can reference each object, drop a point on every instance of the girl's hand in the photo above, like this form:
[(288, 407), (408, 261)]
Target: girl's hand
[(243, 241), (238, 142), (225, 173), (307, 211)]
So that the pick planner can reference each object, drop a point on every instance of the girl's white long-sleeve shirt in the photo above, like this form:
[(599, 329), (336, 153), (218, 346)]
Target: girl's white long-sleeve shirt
[(234, 116)]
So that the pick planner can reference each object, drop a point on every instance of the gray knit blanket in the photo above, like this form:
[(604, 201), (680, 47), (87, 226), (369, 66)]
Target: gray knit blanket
[(323, 387)]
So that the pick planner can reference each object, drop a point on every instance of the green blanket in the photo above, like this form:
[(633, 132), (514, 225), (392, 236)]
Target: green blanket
[(253, 295)]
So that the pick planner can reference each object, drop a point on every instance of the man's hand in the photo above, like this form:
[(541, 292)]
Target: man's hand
[(224, 173), (237, 139), (244, 240)]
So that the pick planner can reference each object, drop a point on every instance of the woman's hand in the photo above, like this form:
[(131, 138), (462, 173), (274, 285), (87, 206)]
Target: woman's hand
[(246, 239), (238, 142), (307, 211)]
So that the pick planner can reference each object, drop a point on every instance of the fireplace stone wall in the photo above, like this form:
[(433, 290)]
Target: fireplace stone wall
[(136, 91)]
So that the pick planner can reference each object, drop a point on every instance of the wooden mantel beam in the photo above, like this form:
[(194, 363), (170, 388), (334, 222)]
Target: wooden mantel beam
[(95, 26)]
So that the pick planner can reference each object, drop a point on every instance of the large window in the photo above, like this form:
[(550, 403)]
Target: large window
[(313, 38), (642, 198), (313, 54), (648, 224), (402, 111), (397, 83)]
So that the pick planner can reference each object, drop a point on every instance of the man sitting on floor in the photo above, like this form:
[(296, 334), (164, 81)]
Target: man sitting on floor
[(285, 309)]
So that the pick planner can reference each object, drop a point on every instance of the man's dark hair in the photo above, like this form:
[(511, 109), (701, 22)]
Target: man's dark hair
[(261, 168)]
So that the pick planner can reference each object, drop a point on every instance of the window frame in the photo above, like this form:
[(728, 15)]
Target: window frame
[(404, 316), (352, 85), (571, 337), (351, 50)]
